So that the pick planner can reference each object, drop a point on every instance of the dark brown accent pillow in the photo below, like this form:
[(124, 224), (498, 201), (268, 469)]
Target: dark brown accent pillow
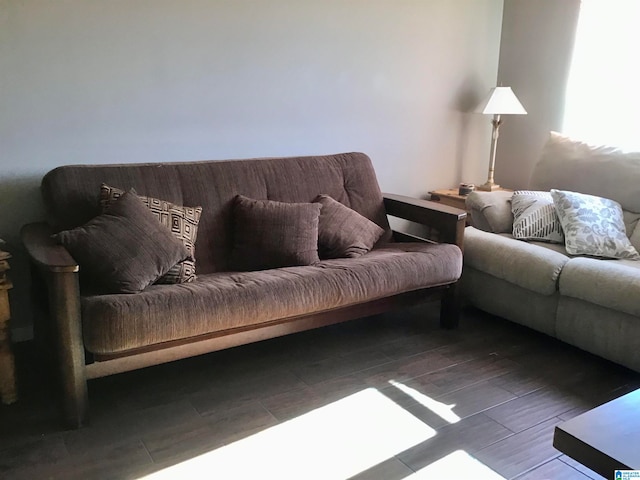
[(125, 249), (181, 221), (343, 232), (269, 234)]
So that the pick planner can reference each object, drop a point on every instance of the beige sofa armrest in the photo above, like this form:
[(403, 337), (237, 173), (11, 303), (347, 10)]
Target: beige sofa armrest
[(449, 221), (491, 211)]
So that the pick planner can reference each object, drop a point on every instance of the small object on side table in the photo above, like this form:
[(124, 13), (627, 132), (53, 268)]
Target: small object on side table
[(8, 393)]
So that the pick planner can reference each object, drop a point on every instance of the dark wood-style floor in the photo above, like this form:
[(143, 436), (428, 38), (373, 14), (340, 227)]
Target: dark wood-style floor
[(377, 398)]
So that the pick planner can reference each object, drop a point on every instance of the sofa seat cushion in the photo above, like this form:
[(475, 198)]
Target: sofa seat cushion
[(613, 284), (227, 300), (531, 265)]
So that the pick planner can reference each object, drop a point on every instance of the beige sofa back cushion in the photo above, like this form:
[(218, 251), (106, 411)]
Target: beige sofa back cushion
[(568, 164), (71, 193), (604, 171)]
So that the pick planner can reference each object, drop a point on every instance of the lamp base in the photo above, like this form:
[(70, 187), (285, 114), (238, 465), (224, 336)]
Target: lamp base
[(488, 187)]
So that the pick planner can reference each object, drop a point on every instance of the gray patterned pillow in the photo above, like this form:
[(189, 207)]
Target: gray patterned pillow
[(181, 221), (535, 218), (592, 226)]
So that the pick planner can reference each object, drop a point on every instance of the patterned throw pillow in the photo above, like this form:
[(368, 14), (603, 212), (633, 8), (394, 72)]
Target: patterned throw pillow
[(343, 232), (593, 226), (124, 249), (535, 218), (181, 221)]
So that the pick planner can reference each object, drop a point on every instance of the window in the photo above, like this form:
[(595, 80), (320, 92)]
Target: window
[(603, 92)]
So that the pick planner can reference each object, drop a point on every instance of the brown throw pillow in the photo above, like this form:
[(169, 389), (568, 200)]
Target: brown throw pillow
[(181, 221), (269, 234), (125, 249), (343, 232)]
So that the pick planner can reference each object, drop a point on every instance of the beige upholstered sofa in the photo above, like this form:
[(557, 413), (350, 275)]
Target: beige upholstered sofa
[(591, 303), (98, 334)]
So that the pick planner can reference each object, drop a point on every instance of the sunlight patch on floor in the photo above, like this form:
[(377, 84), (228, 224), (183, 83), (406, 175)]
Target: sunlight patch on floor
[(458, 464), (443, 410), (337, 441)]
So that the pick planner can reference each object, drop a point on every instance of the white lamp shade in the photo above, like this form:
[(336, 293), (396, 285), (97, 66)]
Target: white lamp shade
[(501, 101)]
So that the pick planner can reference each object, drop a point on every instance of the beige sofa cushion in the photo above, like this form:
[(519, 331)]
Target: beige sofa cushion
[(534, 266), (491, 211), (612, 284)]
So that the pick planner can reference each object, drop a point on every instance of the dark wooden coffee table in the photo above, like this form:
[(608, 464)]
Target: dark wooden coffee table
[(606, 438)]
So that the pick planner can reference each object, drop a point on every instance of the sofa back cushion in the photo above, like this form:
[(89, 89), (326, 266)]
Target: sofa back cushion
[(603, 171), (71, 193), (600, 170)]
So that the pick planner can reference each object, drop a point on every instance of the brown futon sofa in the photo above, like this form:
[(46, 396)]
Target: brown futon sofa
[(97, 333)]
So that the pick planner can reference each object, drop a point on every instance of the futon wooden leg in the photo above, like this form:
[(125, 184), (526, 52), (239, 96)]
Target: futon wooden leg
[(450, 308), (65, 311)]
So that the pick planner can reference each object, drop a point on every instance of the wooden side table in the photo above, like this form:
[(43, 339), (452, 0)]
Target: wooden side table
[(449, 197), (8, 392)]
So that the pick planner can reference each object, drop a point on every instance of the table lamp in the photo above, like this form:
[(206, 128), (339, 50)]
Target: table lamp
[(500, 101)]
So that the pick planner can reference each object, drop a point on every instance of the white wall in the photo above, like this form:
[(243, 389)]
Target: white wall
[(535, 57), (94, 81)]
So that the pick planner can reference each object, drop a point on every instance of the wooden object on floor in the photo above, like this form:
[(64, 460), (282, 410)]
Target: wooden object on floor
[(8, 393), (606, 438)]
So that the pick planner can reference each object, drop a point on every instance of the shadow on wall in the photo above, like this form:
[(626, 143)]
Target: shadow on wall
[(20, 203), (468, 96)]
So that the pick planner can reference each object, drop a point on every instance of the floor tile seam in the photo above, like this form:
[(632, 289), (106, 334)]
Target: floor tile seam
[(404, 463), (422, 374), (264, 407), (596, 477), (516, 394), (557, 417), (529, 470), (521, 431), (146, 449), (487, 380)]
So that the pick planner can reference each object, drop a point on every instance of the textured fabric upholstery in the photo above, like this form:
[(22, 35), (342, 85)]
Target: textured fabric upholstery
[(609, 333), (268, 234), (343, 232), (568, 164), (181, 221), (590, 303), (71, 193), (521, 263), (124, 249), (508, 300), (221, 301), (491, 211), (613, 284)]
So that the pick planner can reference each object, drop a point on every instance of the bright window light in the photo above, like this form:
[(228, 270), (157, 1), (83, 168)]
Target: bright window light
[(337, 441), (603, 95), (443, 410), (458, 464)]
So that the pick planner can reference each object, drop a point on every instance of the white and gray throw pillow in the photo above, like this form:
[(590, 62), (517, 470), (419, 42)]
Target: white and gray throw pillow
[(593, 226), (535, 218)]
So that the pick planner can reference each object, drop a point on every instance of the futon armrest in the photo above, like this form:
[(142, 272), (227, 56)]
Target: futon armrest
[(448, 221), (44, 251)]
